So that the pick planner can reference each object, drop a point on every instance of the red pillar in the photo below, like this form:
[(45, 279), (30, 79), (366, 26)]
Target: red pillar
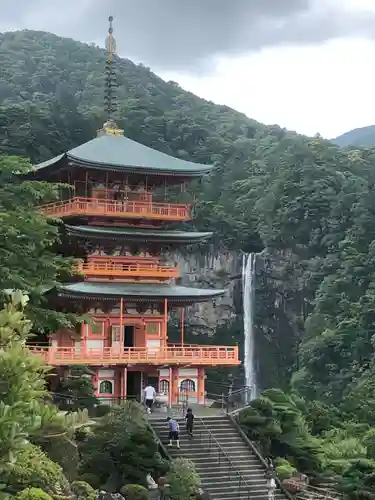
[(201, 386), (182, 325)]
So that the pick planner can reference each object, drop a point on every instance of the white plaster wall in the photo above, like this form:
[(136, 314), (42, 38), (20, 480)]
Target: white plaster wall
[(153, 344), (188, 372), (94, 344), (106, 373)]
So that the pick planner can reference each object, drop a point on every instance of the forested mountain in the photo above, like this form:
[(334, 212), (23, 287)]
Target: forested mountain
[(309, 204), (364, 136)]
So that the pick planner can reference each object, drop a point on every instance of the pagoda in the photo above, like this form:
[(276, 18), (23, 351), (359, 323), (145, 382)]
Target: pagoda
[(116, 217)]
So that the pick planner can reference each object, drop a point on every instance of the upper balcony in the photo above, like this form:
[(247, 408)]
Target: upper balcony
[(169, 355), (125, 209), (127, 268)]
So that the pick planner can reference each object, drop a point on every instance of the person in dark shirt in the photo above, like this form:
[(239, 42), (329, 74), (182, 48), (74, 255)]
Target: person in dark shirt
[(189, 417)]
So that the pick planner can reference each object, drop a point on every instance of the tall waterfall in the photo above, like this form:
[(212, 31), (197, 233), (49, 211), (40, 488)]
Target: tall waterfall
[(248, 294)]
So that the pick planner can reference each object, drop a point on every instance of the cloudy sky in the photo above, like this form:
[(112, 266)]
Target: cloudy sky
[(307, 65)]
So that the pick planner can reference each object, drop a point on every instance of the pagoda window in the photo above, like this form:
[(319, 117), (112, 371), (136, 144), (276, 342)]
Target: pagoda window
[(187, 385), (164, 387), (97, 328), (106, 387), (116, 333), (152, 328)]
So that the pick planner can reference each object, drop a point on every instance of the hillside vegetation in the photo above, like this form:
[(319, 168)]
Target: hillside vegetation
[(308, 203)]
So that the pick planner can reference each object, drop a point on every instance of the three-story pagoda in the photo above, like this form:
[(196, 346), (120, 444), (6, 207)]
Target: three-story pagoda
[(117, 217)]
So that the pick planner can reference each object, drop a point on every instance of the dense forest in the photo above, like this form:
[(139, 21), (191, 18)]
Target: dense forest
[(306, 203)]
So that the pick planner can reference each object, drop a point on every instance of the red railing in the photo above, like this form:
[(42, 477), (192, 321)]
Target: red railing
[(130, 209), (122, 269), (195, 355)]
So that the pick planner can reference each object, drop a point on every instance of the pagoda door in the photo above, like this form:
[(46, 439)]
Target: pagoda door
[(77, 346), (116, 337)]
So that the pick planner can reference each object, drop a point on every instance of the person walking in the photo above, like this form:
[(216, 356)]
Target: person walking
[(174, 430), (189, 418), (150, 394)]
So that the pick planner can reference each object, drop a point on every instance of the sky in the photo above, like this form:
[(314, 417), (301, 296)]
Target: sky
[(306, 65)]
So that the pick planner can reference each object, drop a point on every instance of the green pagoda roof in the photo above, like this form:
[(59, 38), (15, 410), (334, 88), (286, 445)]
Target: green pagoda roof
[(136, 234), (138, 292), (118, 153)]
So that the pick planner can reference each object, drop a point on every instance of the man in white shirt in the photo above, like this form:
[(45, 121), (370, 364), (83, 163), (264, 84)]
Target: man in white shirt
[(150, 394)]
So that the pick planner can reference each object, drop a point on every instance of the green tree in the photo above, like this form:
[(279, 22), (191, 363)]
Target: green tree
[(25, 414), (22, 385), (76, 390), (122, 449), (183, 480), (28, 241)]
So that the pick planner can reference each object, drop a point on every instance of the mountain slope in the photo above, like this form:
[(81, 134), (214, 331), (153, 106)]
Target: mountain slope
[(364, 136)]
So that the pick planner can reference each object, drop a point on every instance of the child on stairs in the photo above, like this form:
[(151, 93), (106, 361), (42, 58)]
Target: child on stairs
[(174, 430)]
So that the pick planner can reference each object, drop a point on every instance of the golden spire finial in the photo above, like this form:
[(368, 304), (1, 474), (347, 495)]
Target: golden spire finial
[(110, 90), (110, 126)]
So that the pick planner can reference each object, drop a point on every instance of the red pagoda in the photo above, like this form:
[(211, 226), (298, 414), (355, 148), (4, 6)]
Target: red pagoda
[(117, 216)]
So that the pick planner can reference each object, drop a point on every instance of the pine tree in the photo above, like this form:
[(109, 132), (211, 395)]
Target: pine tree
[(76, 390)]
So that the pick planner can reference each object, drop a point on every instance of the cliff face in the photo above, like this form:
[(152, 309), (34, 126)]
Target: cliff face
[(211, 268), (279, 307)]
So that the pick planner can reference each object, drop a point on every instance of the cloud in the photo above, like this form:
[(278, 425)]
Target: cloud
[(189, 35)]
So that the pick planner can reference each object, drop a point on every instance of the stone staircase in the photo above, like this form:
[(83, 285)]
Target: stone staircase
[(228, 469)]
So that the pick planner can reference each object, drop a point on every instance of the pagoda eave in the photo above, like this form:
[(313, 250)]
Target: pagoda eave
[(177, 295), (137, 235), (136, 170)]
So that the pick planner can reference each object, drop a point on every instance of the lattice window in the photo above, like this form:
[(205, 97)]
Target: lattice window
[(97, 327), (187, 385), (106, 387), (152, 328), (164, 386), (116, 333)]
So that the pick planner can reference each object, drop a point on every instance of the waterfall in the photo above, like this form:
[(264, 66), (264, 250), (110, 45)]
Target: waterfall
[(248, 294)]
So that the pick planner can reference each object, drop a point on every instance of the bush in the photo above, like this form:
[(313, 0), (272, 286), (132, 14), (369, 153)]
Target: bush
[(33, 494), (134, 492), (183, 480), (33, 469), (83, 490), (284, 469)]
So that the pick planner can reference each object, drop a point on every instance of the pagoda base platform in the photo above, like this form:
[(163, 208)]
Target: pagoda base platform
[(174, 385)]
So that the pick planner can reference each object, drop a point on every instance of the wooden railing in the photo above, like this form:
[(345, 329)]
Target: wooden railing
[(121, 269), (194, 355), (111, 208)]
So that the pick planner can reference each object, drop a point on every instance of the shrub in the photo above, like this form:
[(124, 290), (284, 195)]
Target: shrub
[(284, 469), (134, 492), (183, 480), (32, 494), (34, 469), (83, 490)]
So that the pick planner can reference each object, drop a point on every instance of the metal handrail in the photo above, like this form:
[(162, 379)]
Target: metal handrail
[(222, 453)]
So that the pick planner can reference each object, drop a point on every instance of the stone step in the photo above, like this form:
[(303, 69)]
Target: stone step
[(220, 460)]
